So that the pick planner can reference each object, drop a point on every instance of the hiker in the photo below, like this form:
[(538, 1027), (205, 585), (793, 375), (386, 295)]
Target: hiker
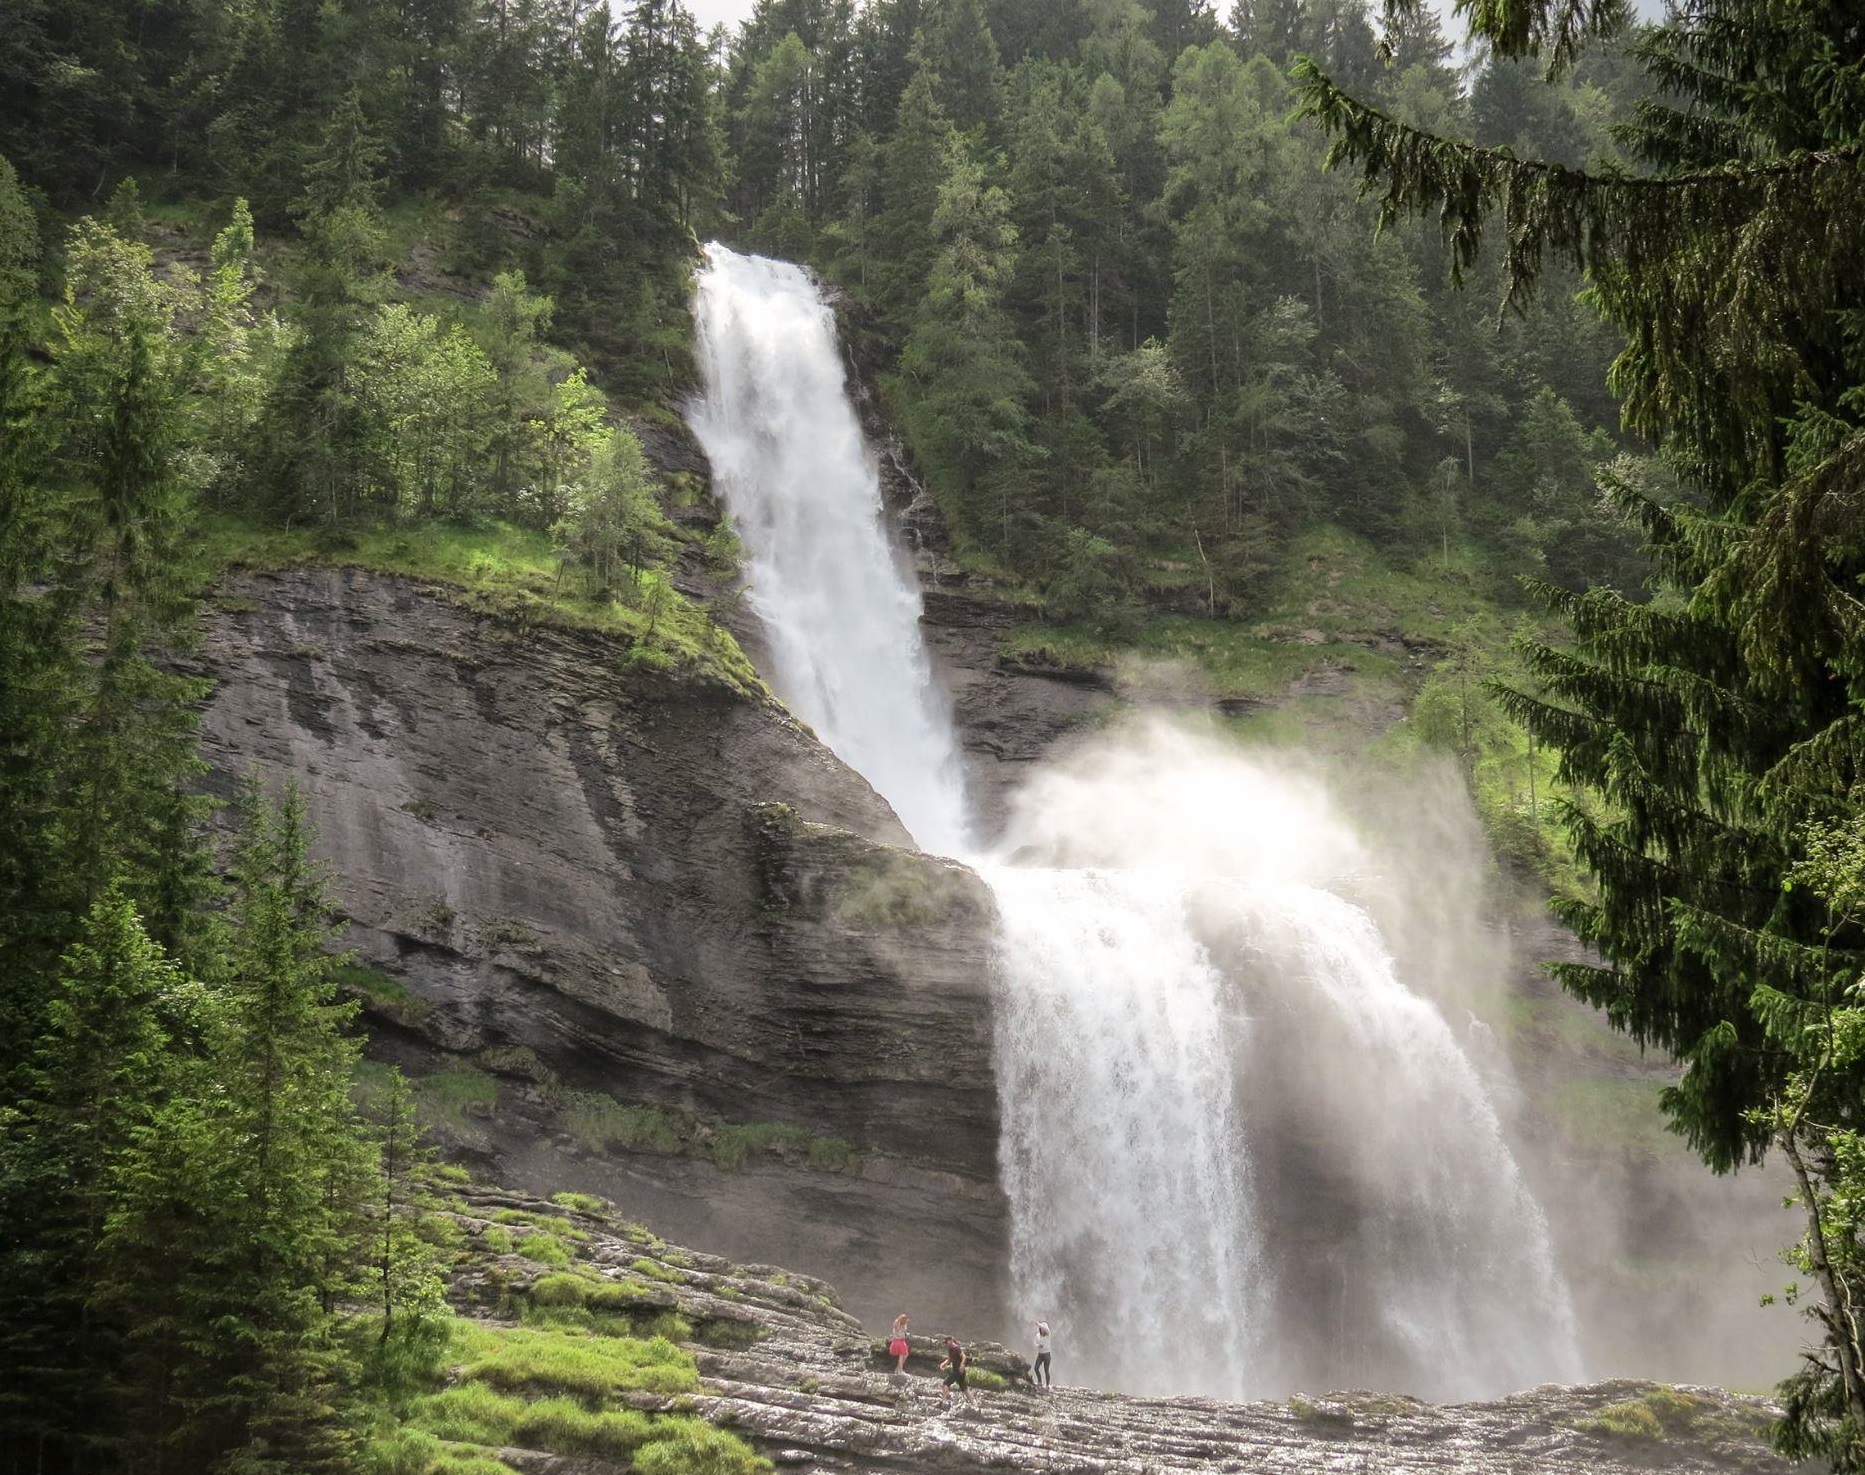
[(1039, 1370), (954, 1369), (898, 1347)]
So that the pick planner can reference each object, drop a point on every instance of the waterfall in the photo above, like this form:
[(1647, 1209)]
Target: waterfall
[(792, 467), (1241, 1153), (1131, 1227)]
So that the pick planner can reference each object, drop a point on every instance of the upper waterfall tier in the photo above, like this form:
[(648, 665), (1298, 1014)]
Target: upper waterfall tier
[(791, 465)]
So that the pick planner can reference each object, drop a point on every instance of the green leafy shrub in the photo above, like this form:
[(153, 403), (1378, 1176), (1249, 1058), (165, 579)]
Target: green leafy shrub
[(583, 1203), (983, 1377)]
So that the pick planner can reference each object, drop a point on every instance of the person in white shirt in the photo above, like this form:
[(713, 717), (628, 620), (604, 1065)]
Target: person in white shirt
[(1039, 1371)]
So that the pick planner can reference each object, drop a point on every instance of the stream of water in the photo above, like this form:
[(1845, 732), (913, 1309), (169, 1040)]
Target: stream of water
[(1239, 1151)]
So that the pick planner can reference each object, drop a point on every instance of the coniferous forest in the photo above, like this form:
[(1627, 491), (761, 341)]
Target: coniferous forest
[(1561, 320)]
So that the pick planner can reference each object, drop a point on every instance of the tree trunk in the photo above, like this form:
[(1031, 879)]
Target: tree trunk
[(1841, 1319)]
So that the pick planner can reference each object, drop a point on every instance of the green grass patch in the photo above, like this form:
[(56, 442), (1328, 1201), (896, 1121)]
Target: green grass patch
[(564, 1426), (983, 1377), (654, 1270), (1612, 1116), (508, 573), (692, 1447), (382, 995), (601, 1123), (468, 1413), (734, 1144), (544, 1249), (583, 1203), (1633, 1419), (453, 1097), (578, 1364), (499, 1240)]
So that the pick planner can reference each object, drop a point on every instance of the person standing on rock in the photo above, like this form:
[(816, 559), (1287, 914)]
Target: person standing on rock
[(1039, 1370), (954, 1369), (898, 1347)]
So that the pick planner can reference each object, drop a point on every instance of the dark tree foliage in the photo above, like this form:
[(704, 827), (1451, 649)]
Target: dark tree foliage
[(1717, 726)]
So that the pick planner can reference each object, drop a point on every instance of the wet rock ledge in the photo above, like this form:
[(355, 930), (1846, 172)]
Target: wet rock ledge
[(785, 1367)]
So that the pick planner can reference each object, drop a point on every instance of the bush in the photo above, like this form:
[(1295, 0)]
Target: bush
[(583, 1203)]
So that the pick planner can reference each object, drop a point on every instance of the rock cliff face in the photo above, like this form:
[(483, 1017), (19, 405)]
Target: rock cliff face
[(641, 935)]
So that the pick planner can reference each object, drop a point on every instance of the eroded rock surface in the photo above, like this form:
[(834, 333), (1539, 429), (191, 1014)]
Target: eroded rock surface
[(587, 878), (784, 1366)]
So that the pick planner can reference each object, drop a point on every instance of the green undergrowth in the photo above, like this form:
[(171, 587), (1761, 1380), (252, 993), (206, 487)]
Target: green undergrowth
[(508, 574), (600, 1123), (563, 1390)]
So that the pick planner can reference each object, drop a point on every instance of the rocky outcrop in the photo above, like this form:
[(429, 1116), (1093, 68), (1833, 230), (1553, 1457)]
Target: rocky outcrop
[(620, 916), (784, 1366)]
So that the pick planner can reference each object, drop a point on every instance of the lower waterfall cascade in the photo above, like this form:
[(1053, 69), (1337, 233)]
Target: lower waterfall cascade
[(1240, 1151)]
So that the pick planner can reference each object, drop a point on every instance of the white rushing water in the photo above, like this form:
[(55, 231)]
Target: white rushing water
[(1131, 1225), (789, 461), (1241, 1154)]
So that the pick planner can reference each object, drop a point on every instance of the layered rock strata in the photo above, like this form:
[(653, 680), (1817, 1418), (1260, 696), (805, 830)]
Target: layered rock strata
[(621, 913)]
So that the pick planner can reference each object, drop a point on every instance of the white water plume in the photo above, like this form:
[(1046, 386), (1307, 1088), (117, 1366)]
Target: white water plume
[(789, 461), (1431, 1266), (1131, 1225), (1242, 1151)]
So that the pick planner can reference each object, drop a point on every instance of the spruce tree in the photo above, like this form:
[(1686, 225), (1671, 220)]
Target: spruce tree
[(99, 1073), (241, 1227)]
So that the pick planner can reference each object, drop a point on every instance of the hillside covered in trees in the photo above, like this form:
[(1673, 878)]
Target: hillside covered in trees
[(408, 284)]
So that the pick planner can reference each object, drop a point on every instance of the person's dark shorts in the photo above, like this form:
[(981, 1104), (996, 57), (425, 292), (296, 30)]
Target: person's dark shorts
[(955, 1377)]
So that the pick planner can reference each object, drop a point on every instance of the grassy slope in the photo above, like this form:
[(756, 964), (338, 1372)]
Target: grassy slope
[(508, 573), (581, 1362)]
